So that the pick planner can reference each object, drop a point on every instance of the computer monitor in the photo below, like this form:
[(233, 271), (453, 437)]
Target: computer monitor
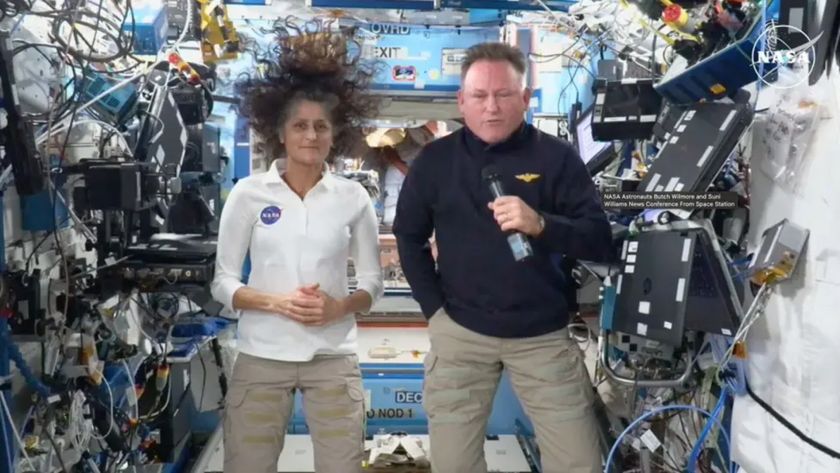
[(673, 281), (595, 154)]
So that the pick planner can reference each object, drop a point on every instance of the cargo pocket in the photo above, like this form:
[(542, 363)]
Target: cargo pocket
[(339, 402), (232, 423), (336, 412), (357, 420), (559, 388), (448, 392), (356, 394), (260, 409), (354, 390)]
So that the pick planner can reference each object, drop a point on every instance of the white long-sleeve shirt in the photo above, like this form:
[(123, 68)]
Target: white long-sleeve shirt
[(295, 242)]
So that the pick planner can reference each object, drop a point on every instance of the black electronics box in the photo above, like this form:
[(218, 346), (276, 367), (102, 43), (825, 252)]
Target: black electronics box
[(625, 109), (117, 186), (203, 149), (191, 104), (796, 14)]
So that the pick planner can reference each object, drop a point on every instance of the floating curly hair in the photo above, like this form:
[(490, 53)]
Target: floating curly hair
[(310, 61)]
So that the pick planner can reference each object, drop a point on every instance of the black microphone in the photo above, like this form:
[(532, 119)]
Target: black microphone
[(519, 244)]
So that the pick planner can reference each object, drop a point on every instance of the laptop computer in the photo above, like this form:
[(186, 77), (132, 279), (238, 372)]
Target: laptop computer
[(170, 247), (673, 281), (697, 146), (596, 155)]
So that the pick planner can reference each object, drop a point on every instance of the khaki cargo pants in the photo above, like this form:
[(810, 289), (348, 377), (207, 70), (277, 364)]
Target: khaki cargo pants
[(259, 405), (547, 372)]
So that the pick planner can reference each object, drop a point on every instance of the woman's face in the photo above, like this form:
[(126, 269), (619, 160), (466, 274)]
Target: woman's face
[(308, 134)]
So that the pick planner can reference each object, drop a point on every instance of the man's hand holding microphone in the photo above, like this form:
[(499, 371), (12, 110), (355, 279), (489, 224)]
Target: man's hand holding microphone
[(513, 215)]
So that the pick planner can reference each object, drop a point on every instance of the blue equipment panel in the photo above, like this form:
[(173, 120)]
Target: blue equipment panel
[(8, 448), (119, 383), (150, 26), (420, 60), (117, 105), (391, 4), (478, 16), (561, 5), (394, 396), (514, 5), (723, 73), (40, 214), (608, 305)]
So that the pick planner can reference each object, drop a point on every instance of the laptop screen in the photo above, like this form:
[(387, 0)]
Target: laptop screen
[(674, 281), (588, 148)]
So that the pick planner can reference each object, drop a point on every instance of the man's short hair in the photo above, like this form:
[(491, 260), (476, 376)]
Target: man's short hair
[(494, 52)]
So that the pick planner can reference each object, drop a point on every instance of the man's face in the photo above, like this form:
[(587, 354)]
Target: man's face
[(493, 100)]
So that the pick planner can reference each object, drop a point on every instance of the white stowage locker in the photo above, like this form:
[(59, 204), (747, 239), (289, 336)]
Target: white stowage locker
[(793, 348)]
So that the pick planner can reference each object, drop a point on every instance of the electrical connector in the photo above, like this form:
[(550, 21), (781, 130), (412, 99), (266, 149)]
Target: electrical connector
[(161, 377)]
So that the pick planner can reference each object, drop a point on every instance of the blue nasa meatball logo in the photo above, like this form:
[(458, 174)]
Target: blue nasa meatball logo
[(270, 215)]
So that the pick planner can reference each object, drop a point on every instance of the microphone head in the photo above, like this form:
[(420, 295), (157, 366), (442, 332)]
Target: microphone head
[(490, 173)]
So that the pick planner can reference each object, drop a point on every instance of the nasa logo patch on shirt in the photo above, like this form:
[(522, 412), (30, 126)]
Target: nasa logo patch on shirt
[(270, 215)]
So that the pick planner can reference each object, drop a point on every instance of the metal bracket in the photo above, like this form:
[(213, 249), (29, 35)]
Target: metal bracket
[(634, 382)]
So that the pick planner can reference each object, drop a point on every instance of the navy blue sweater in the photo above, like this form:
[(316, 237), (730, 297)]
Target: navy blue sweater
[(477, 280)]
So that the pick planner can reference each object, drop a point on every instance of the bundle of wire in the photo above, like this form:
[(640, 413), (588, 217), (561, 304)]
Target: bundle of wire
[(80, 426), (658, 411)]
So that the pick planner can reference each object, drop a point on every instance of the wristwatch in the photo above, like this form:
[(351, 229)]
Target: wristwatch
[(542, 224)]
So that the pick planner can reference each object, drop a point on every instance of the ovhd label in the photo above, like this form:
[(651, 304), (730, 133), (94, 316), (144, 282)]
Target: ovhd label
[(270, 215), (408, 397), (381, 28)]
